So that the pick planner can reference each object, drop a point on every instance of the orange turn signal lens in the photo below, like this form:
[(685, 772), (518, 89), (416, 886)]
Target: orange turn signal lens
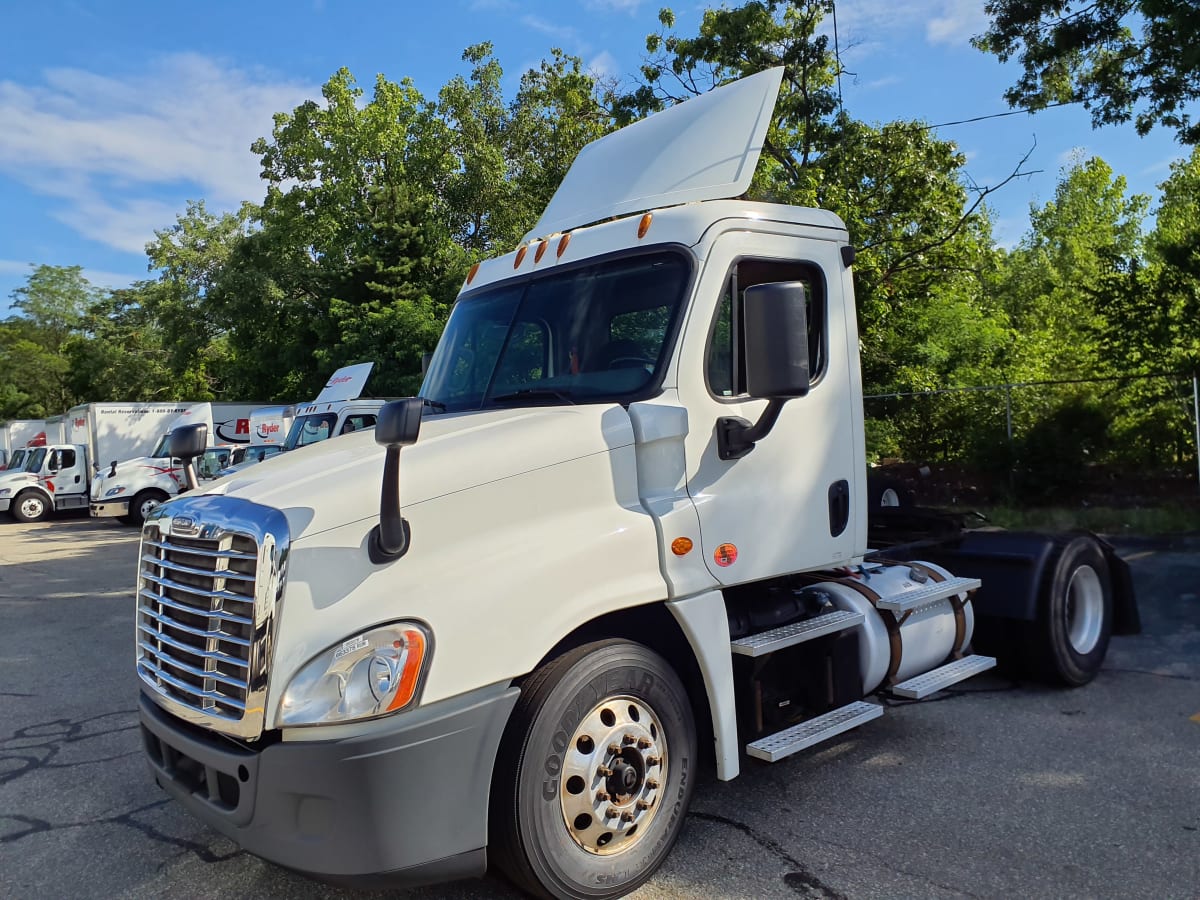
[(681, 546), (541, 251), (520, 258), (562, 244), (414, 656), (471, 274), (644, 225)]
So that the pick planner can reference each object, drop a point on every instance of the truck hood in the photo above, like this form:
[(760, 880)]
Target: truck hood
[(338, 481), (16, 479)]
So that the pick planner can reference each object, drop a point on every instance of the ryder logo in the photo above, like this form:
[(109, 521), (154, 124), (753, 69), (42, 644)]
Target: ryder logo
[(342, 380), (266, 429)]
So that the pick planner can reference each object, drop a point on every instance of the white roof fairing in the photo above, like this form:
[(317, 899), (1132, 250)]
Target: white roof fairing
[(703, 149)]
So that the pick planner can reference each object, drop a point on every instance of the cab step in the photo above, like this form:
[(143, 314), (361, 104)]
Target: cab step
[(788, 635), (931, 592), (775, 747), (933, 681)]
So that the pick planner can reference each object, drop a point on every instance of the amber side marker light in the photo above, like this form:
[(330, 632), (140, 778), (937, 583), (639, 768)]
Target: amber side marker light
[(520, 257), (644, 225), (414, 656), (541, 251), (562, 244), (681, 546), (471, 274)]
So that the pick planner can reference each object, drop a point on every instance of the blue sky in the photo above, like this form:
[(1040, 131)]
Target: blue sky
[(114, 115)]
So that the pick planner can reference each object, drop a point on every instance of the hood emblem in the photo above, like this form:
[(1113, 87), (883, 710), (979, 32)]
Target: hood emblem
[(184, 525)]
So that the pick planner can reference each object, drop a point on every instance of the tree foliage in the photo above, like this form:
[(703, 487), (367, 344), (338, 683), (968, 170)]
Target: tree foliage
[(1123, 59)]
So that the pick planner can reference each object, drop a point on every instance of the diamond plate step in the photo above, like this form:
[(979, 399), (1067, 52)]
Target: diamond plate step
[(787, 635), (931, 682), (775, 747), (931, 592)]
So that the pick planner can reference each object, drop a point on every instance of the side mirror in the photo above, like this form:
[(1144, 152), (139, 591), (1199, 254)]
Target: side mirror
[(52, 463), (186, 443), (398, 426), (777, 364)]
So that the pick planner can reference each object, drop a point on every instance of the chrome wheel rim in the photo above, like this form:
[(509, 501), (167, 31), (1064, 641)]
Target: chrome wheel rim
[(148, 506), (1085, 609), (889, 498), (613, 777), (32, 507)]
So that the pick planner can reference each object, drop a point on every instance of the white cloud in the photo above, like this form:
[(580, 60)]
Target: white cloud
[(863, 24), (183, 123), (564, 33), (958, 23), (618, 6), (604, 65), (885, 81)]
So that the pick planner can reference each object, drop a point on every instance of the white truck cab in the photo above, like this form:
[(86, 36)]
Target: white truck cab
[(622, 534), (49, 478)]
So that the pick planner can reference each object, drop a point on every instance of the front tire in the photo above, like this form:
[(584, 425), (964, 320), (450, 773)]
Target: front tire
[(30, 506), (142, 505), (595, 773)]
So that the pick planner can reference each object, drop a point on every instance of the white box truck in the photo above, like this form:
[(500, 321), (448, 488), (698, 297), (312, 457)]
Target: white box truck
[(16, 435), (57, 474), (134, 485), (630, 537)]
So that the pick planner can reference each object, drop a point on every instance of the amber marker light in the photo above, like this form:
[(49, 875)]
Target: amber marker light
[(541, 251), (520, 257), (681, 546), (414, 655), (471, 274), (562, 244), (644, 225)]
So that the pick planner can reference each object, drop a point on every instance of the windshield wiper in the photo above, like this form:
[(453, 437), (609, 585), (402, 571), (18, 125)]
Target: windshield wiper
[(435, 405), (533, 394)]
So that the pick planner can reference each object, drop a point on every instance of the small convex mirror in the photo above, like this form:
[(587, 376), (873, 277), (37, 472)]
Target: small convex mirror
[(188, 441), (399, 422), (776, 340)]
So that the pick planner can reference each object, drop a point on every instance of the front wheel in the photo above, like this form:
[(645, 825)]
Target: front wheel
[(142, 505), (30, 507), (595, 773)]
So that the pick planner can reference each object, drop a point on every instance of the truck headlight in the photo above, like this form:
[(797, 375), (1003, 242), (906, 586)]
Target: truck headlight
[(112, 492), (371, 674)]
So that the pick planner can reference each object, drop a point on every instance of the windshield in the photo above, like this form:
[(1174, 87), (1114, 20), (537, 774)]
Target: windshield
[(18, 460), (161, 450), (595, 334), (33, 462), (310, 430)]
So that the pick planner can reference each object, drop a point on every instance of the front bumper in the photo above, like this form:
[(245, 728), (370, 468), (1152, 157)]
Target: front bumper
[(403, 805), (5, 503), (109, 509)]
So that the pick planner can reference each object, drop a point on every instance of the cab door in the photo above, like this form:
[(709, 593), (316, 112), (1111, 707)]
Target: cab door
[(785, 506), (66, 477)]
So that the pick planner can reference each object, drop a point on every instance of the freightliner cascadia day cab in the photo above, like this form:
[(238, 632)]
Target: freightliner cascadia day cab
[(627, 536), (132, 486), (58, 474)]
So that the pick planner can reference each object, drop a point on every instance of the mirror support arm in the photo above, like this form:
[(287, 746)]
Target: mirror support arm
[(736, 437)]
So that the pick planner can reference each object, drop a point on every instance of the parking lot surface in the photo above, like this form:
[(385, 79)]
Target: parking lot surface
[(996, 789)]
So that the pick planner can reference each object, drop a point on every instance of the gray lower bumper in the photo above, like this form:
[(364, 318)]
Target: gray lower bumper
[(5, 504), (405, 805), (111, 508)]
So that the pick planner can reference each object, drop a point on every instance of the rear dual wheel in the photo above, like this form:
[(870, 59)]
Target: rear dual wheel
[(1075, 615), (595, 773)]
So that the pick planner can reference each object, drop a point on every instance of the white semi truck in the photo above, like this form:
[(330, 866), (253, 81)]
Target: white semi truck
[(133, 486), (628, 536), (58, 474)]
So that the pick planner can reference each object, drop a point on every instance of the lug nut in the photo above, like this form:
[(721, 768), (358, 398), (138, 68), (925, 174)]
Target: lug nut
[(652, 784), (630, 739), (602, 796), (614, 749), (643, 743), (627, 816), (653, 760), (603, 770), (642, 804), (611, 813)]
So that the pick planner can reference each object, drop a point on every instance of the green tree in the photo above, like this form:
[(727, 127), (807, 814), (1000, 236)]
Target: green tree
[(1123, 59)]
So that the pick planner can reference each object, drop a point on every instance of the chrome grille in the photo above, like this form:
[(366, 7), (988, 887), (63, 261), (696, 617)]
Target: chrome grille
[(207, 589)]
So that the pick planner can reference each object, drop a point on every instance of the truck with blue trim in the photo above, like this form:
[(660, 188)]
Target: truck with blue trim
[(623, 534)]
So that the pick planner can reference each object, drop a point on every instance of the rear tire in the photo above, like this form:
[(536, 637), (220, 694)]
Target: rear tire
[(30, 506), (887, 493), (1075, 615), (142, 505), (595, 773)]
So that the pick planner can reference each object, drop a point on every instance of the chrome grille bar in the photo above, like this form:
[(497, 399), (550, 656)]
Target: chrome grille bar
[(190, 570), (201, 654)]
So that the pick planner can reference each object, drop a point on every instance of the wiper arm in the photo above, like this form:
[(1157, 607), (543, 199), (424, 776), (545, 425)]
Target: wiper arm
[(435, 405), (533, 394)]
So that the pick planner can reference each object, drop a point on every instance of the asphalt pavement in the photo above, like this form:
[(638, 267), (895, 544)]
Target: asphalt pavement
[(992, 789)]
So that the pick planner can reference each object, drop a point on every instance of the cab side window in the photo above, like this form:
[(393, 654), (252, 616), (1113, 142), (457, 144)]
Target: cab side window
[(725, 366), (357, 422)]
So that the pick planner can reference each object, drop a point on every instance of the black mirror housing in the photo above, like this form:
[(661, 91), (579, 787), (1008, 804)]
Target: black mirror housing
[(399, 423), (777, 364), (188, 441)]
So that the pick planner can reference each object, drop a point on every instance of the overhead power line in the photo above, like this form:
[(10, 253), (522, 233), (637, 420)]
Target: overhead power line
[(1001, 115)]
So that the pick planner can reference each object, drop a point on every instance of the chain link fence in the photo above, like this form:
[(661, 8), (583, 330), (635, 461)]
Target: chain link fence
[(1130, 438)]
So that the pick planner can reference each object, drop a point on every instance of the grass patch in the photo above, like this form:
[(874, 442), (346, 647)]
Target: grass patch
[(1173, 519)]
